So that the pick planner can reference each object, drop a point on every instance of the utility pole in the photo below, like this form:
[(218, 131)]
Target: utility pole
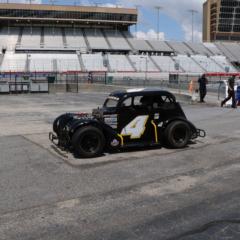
[(193, 11), (158, 8)]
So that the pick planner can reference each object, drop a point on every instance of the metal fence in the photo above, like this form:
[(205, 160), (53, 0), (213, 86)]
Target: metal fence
[(71, 81)]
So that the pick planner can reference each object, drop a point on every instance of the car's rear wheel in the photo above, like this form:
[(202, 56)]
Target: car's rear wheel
[(177, 134), (88, 142)]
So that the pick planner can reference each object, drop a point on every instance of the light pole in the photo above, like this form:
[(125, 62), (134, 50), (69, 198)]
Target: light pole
[(136, 25), (158, 8), (53, 2), (192, 11), (76, 3)]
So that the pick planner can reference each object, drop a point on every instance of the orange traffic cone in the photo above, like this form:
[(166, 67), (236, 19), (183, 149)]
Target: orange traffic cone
[(191, 87)]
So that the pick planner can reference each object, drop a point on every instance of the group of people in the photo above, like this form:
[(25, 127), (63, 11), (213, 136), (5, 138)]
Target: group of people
[(203, 81)]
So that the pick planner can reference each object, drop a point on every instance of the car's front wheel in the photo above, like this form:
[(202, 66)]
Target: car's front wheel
[(177, 134), (88, 142)]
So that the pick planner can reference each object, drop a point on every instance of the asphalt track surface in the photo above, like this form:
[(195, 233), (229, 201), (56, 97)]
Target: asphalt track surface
[(189, 194)]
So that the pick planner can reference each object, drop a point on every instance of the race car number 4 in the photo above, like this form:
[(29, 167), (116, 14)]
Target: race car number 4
[(136, 128)]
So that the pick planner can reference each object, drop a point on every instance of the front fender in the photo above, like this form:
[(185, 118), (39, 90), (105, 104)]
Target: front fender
[(108, 132), (75, 124)]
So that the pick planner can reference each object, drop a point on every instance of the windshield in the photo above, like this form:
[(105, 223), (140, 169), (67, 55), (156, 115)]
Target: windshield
[(111, 102)]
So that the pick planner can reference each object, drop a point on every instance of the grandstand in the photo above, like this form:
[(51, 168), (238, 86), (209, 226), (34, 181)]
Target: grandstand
[(44, 38)]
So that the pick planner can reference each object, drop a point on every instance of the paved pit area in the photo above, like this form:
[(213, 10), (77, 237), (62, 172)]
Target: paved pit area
[(155, 194)]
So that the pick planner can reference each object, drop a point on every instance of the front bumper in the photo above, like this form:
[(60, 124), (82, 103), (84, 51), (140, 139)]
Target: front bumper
[(53, 138)]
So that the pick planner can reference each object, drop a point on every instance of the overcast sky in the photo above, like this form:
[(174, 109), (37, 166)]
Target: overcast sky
[(175, 19)]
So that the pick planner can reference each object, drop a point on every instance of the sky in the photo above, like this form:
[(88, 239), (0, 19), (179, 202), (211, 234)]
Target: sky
[(175, 18)]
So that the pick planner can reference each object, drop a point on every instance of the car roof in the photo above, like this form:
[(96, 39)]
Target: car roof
[(141, 92)]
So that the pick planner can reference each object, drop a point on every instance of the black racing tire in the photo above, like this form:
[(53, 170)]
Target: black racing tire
[(88, 142), (177, 134), (56, 125)]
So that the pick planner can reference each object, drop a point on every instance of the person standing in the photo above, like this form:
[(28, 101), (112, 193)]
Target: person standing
[(202, 81), (90, 77), (231, 92)]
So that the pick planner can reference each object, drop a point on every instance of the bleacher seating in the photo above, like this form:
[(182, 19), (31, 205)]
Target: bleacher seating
[(54, 62), (119, 63), (226, 52), (222, 60), (41, 63), (9, 37), (199, 48), (75, 39), (207, 64), (67, 62), (213, 48), (165, 63), (68, 49), (30, 38), (233, 48), (93, 62), (96, 39), (137, 44), (53, 38), (117, 40), (160, 46), (188, 64), (180, 48), (14, 62), (143, 63)]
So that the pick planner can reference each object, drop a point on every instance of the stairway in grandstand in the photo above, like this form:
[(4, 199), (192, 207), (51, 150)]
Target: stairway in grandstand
[(81, 62), (218, 64), (106, 39), (86, 40), (64, 37), (20, 36), (42, 38), (27, 64), (131, 63), (116, 40), (155, 63), (127, 39), (96, 40)]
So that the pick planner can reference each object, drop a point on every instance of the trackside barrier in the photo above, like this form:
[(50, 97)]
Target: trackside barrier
[(4, 87)]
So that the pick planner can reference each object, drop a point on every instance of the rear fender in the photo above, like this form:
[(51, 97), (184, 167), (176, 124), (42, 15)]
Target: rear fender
[(194, 130)]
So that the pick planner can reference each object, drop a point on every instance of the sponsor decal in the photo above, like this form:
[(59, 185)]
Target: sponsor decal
[(111, 120), (114, 143)]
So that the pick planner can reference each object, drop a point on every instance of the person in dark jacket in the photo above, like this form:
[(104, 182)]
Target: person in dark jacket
[(90, 77), (231, 92), (202, 81)]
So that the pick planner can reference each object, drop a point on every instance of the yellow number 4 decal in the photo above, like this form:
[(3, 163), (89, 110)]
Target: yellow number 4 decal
[(136, 128)]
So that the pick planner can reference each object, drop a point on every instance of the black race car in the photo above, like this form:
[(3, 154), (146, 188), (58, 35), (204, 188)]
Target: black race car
[(135, 117)]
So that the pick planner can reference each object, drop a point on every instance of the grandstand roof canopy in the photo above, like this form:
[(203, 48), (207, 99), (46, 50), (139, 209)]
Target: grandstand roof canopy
[(62, 13)]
